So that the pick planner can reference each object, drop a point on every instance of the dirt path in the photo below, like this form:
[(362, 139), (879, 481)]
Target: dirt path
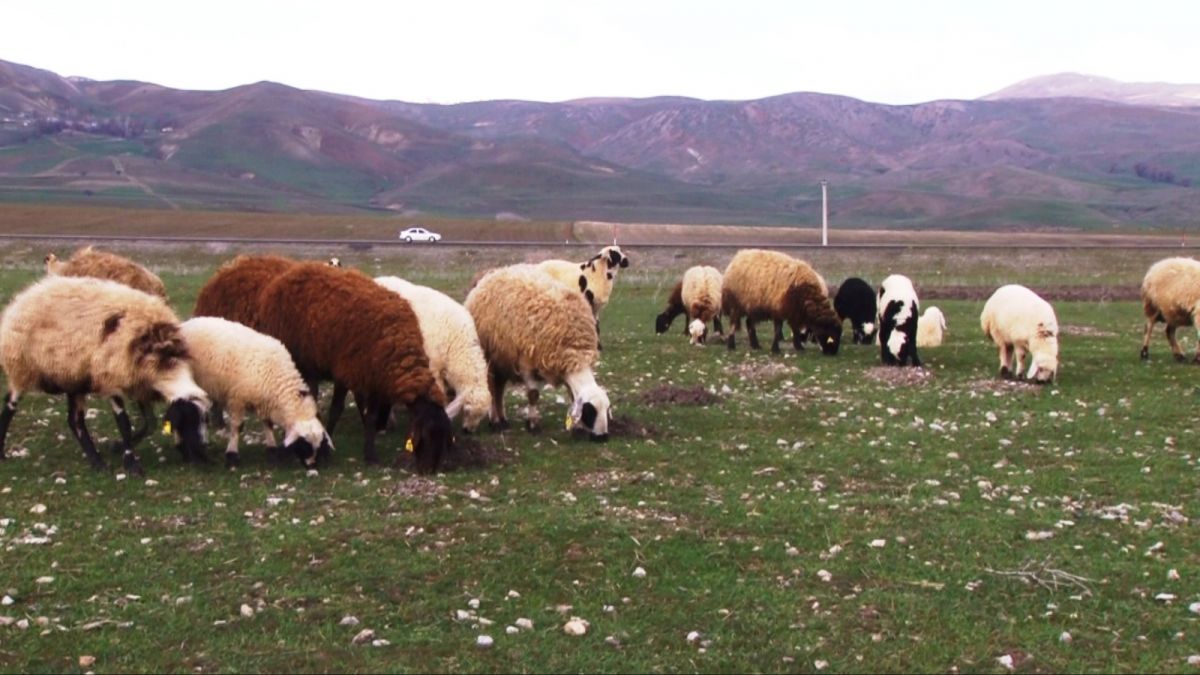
[(120, 169)]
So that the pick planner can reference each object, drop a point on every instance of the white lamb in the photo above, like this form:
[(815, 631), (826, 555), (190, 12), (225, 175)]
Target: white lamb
[(931, 328), (1018, 321), (452, 346), (246, 371)]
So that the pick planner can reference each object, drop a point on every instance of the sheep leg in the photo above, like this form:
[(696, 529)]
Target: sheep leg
[(75, 420), (777, 337), (496, 385), (1175, 344), (6, 415), (1018, 361), (1150, 321), (717, 326), (123, 426), (752, 333), (533, 420), (368, 416), (1006, 372), (148, 419), (232, 458), (336, 405), (735, 321)]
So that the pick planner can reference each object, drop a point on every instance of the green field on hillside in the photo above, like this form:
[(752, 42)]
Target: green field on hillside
[(790, 513)]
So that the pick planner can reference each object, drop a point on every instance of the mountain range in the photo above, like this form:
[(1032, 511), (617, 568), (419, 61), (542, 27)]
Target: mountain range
[(1064, 151)]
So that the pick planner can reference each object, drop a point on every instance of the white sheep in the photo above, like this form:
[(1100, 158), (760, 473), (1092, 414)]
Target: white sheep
[(698, 297), (931, 328), (246, 371), (1017, 320), (898, 314), (78, 336), (452, 346), (534, 329), (1171, 294)]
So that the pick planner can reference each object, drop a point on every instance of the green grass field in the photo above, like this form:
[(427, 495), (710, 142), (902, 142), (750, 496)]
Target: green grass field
[(815, 514)]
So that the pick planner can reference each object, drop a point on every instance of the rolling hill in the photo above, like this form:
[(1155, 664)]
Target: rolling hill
[(1015, 160)]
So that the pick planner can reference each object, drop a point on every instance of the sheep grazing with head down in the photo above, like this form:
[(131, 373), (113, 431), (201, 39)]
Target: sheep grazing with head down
[(1017, 320), (898, 315), (1171, 294), (340, 325), (762, 284), (534, 329), (88, 262), (855, 300), (698, 298), (80, 336), (931, 328), (452, 346), (246, 371), (594, 278)]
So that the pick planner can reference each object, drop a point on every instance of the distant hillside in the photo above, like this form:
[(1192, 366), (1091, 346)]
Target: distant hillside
[(1016, 162), (1090, 86)]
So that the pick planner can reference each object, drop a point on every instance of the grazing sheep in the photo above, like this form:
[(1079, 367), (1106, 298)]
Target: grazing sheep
[(1017, 320), (534, 329), (452, 346), (334, 261), (762, 284), (80, 336), (1171, 294), (232, 292), (698, 298), (855, 300), (931, 328), (339, 324), (246, 371), (898, 315), (594, 278), (88, 262)]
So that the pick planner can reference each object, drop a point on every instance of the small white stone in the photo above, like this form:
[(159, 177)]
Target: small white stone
[(511, 630), (38, 509), (44, 580), (473, 603), (824, 575), (247, 611), (1194, 608), (639, 573), (348, 620), (87, 661), (524, 624), (693, 636), (1173, 574), (380, 643), (792, 551), (120, 477), (1165, 597), (23, 624), (1006, 661), (150, 482), (820, 664), (7, 600), (462, 615), (878, 543), (575, 627), (1065, 638), (484, 642), (513, 594), (1194, 660), (364, 636)]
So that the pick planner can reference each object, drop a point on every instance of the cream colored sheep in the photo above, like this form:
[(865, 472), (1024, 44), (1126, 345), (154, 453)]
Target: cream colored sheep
[(80, 336), (698, 297), (1171, 294), (534, 329), (931, 328), (593, 278), (246, 371), (1017, 320), (761, 284), (452, 346), (88, 262)]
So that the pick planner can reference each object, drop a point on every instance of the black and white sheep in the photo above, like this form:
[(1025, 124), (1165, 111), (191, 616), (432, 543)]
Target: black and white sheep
[(698, 298), (855, 300), (594, 277), (761, 284), (899, 311), (78, 336), (1017, 320), (534, 329)]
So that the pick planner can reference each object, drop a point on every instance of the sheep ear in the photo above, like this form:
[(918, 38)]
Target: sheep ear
[(582, 283), (591, 297)]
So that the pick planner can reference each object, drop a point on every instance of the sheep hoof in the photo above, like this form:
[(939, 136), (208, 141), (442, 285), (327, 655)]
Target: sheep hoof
[(532, 426), (1145, 353), (98, 465), (1005, 374), (232, 460), (502, 425), (1180, 358)]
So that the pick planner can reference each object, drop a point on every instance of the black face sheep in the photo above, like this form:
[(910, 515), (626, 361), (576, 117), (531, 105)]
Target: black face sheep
[(88, 262), (534, 329), (855, 300), (1017, 320), (1171, 294), (79, 336), (452, 346), (339, 324), (898, 315), (762, 285), (247, 371), (698, 298)]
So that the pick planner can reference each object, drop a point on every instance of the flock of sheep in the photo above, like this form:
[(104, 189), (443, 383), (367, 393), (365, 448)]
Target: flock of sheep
[(266, 330)]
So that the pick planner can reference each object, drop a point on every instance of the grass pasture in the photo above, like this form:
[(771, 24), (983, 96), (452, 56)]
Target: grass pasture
[(796, 512)]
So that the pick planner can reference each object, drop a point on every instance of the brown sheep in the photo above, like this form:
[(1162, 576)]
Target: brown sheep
[(232, 292), (339, 324), (88, 262), (762, 284)]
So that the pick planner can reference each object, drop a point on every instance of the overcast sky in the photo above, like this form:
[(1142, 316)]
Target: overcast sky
[(447, 51)]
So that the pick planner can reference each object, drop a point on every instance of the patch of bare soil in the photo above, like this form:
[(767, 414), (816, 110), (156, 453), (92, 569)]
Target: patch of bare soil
[(467, 452), (669, 394), (900, 376), (1085, 331), (417, 488), (1082, 293), (624, 426), (758, 371), (1003, 386)]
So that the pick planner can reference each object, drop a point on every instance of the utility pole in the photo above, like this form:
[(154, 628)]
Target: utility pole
[(824, 212)]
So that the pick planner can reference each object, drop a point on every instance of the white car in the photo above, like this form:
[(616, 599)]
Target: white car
[(419, 234)]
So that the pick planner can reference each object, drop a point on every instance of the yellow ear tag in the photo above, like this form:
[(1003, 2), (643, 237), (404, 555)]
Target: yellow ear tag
[(166, 428), (568, 421), (408, 445)]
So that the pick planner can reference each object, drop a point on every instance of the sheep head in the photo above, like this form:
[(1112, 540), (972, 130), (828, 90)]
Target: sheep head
[(591, 411), (430, 432), (309, 441), (698, 330)]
